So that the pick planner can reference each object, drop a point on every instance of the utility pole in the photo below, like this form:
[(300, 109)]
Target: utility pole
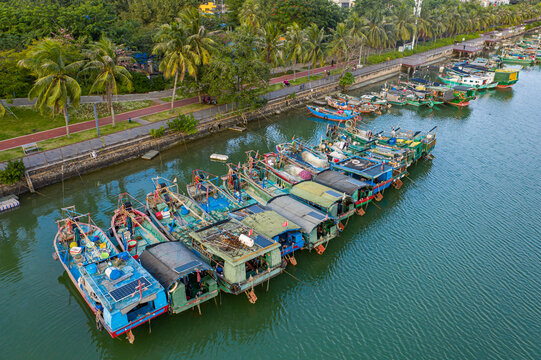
[(416, 13)]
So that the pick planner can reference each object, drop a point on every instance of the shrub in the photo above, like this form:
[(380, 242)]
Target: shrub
[(157, 133), (346, 80), (185, 123), (13, 172)]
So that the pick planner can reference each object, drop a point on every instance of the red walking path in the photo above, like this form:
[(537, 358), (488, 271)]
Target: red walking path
[(61, 131)]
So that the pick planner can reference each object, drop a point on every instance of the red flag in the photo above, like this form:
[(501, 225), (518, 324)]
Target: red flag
[(250, 232), (284, 224), (198, 276)]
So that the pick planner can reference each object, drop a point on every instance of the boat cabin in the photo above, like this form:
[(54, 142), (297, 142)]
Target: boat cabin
[(377, 174), (336, 204), (242, 257), (317, 226), (188, 280), (358, 190), (272, 225)]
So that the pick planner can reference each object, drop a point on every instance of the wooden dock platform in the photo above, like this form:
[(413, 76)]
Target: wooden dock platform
[(150, 155)]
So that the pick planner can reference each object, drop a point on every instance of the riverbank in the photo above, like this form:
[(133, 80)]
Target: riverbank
[(49, 167)]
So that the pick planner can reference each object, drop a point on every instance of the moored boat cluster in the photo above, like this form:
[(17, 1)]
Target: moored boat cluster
[(457, 85), (232, 232)]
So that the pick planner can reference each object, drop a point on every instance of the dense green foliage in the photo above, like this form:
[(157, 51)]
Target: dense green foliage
[(157, 133), (185, 123), (346, 80), (13, 172)]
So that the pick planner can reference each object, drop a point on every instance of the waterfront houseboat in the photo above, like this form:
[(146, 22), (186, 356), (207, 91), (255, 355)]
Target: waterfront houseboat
[(132, 228), (273, 226), (119, 291), (187, 279), (173, 212), (242, 257), (317, 227)]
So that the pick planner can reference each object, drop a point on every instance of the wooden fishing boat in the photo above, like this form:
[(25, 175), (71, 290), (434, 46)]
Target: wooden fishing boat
[(273, 226), (242, 257), (419, 142), (173, 212), (118, 290), (318, 228), (337, 104), (304, 155), (377, 174), (331, 115), (189, 281), (506, 77), (132, 228), (207, 191), (394, 97), (520, 59), (464, 79)]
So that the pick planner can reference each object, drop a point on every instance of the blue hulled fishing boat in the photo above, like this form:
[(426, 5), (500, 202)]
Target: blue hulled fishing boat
[(118, 290), (333, 115)]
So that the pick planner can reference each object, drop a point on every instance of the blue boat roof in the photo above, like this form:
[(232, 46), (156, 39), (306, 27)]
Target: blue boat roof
[(364, 167)]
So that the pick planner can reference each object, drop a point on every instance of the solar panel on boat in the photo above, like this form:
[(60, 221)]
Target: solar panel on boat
[(129, 289), (261, 241), (333, 193), (316, 215), (255, 209), (189, 265)]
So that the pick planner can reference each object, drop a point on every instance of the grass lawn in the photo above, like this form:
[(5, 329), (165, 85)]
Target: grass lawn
[(177, 111), (63, 140), (24, 120)]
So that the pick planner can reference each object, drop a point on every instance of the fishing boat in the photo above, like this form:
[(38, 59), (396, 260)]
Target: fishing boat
[(206, 190), (304, 155), (189, 281), (132, 228), (359, 191), (459, 96), (337, 104), (521, 59), (318, 228), (420, 143), (242, 257), (332, 115), (506, 77), (273, 226), (173, 212), (119, 291), (464, 79), (394, 97), (377, 174)]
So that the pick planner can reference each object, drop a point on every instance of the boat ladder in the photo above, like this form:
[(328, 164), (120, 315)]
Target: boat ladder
[(29, 182)]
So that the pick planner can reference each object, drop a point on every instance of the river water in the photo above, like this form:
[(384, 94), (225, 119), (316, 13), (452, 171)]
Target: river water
[(447, 267)]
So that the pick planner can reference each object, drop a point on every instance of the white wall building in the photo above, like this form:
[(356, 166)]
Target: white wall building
[(344, 3)]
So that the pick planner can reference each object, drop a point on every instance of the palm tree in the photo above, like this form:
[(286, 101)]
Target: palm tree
[(425, 27), (315, 46), (54, 87), (339, 44), (177, 54), (250, 14), (357, 27), (295, 38), (376, 34), (105, 62), (198, 40), (403, 21), (2, 110), (272, 44)]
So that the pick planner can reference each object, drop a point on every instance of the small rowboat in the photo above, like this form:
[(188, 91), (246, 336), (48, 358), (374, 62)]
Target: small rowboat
[(332, 115)]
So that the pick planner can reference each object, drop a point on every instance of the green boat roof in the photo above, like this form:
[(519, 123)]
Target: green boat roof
[(269, 223), (315, 193)]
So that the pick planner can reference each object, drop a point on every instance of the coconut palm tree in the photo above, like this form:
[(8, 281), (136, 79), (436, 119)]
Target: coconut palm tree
[(55, 87), (272, 44), (339, 45), (425, 27), (105, 64), (315, 46), (198, 39), (250, 14), (376, 34), (403, 23), (357, 26), (295, 40), (178, 56)]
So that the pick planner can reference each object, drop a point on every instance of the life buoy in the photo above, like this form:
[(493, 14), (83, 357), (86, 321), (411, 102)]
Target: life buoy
[(462, 96), (410, 133), (349, 124)]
